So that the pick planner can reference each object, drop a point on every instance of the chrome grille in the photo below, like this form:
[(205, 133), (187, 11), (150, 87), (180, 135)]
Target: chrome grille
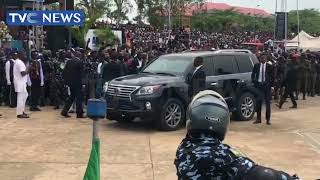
[(121, 91)]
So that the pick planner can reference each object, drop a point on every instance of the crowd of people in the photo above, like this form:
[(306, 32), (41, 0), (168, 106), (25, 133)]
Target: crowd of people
[(51, 76)]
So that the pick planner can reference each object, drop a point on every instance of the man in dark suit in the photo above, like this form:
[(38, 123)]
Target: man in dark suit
[(198, 79), (112, 69), (263, 78), (290, 82), (73, 73)]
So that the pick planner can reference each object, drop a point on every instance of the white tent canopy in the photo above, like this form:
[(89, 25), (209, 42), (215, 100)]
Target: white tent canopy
[(307, 42)]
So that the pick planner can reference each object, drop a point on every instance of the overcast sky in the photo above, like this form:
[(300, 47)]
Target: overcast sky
[(269, 5)]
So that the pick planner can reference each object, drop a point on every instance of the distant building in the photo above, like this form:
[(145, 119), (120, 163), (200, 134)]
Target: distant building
[(209, 6)]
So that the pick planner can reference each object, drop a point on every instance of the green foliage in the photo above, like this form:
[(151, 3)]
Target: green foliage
[(153, 9), (79, 32), (309, 21), (106, 36), (218, 21), (93, 10)]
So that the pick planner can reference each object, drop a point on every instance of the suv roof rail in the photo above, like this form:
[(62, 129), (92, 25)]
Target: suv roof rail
[(234, 50)]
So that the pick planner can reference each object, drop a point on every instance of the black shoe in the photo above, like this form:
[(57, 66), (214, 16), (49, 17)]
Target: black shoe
[(23, 116), (66, 115), (71, 111), (304, 98), (268, 123), (81, 116), (257, 122), (57, 107), (294, 107)]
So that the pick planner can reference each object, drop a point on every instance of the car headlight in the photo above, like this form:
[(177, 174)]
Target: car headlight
[(147, 90), (105, 86)]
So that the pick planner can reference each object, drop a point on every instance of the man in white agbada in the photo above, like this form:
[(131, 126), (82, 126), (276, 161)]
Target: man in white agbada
[(20, 73)]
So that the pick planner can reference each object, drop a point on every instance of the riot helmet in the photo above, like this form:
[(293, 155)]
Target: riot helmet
[(208, 112)]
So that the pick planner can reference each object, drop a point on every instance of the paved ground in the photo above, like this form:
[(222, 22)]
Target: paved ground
[(47, 147)]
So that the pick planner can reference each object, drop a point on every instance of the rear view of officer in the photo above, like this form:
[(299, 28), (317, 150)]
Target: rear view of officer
[(202, 156)]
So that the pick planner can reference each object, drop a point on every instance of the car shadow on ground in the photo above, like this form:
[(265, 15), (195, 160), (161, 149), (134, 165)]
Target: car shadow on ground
[(135, 126)]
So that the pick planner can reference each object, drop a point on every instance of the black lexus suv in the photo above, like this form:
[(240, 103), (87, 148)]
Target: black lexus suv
[(160, 91)]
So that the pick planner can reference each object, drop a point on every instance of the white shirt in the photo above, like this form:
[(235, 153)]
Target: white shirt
[(197, 68), (262, 69), (20, 82), (8, 71), (99, 68)]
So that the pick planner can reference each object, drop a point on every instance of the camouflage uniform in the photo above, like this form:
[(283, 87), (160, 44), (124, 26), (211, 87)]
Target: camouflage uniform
[(203, 157)]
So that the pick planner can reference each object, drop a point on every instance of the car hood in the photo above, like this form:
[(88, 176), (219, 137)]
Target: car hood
[(146, 80)]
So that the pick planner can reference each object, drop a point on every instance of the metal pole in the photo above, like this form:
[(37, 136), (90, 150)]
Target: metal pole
[(275, 23), (298, 19), (95, 129), (169, 20), (286, 20)]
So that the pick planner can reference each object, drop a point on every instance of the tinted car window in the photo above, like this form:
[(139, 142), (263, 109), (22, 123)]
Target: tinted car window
[(225, 65), (244, 64), (208, 66), (176, 65)]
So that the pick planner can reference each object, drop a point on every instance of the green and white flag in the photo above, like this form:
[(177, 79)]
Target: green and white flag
[(93, 168)]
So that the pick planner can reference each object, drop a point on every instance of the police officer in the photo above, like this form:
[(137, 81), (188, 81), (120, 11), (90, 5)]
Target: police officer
[(313, 78), (304, 69), (12, 95), (202, 156)]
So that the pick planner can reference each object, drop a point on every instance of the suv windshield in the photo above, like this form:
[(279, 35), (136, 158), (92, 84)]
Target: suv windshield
[(175, 65)]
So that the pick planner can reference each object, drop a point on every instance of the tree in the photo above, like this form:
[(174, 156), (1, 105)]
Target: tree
[(105, 36), (309, 21), (155, 9), (94, 10), (121, 11)]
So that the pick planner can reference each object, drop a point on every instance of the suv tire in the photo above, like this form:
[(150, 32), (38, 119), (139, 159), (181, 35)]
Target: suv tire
[(172, 115), (246, 107)]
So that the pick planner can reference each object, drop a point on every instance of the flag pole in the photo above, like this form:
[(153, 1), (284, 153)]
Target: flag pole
[(95, 129), (298, 19)]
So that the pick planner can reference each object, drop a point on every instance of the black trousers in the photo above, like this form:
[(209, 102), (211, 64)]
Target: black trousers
[(11, 96), (35, 93), (264, 95), (75, 96), (288, 92)]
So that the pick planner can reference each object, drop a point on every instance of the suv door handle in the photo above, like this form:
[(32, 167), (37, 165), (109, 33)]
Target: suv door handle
[(214, 84)]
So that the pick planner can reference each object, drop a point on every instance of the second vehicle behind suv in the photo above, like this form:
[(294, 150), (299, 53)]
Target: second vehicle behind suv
[(160, 92)]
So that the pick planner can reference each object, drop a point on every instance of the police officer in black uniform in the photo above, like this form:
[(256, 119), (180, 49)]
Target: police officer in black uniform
[(10, 90), (202, 156)]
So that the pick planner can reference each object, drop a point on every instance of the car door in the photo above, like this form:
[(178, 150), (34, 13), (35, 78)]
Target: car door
[(225, 76)]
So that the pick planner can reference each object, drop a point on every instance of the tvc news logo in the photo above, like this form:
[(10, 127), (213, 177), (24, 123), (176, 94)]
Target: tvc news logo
[(45, 18)]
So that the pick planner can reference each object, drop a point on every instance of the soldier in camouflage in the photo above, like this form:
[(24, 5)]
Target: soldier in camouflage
[(202, 156)]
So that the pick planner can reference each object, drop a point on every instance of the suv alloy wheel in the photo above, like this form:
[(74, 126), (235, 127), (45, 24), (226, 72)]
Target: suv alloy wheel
[(172, 115), (246, 107)]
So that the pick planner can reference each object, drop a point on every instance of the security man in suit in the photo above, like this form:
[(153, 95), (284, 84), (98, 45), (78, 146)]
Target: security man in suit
[(36, 78), (198, 79), (73, 73), (112, 69), (263, 78)]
